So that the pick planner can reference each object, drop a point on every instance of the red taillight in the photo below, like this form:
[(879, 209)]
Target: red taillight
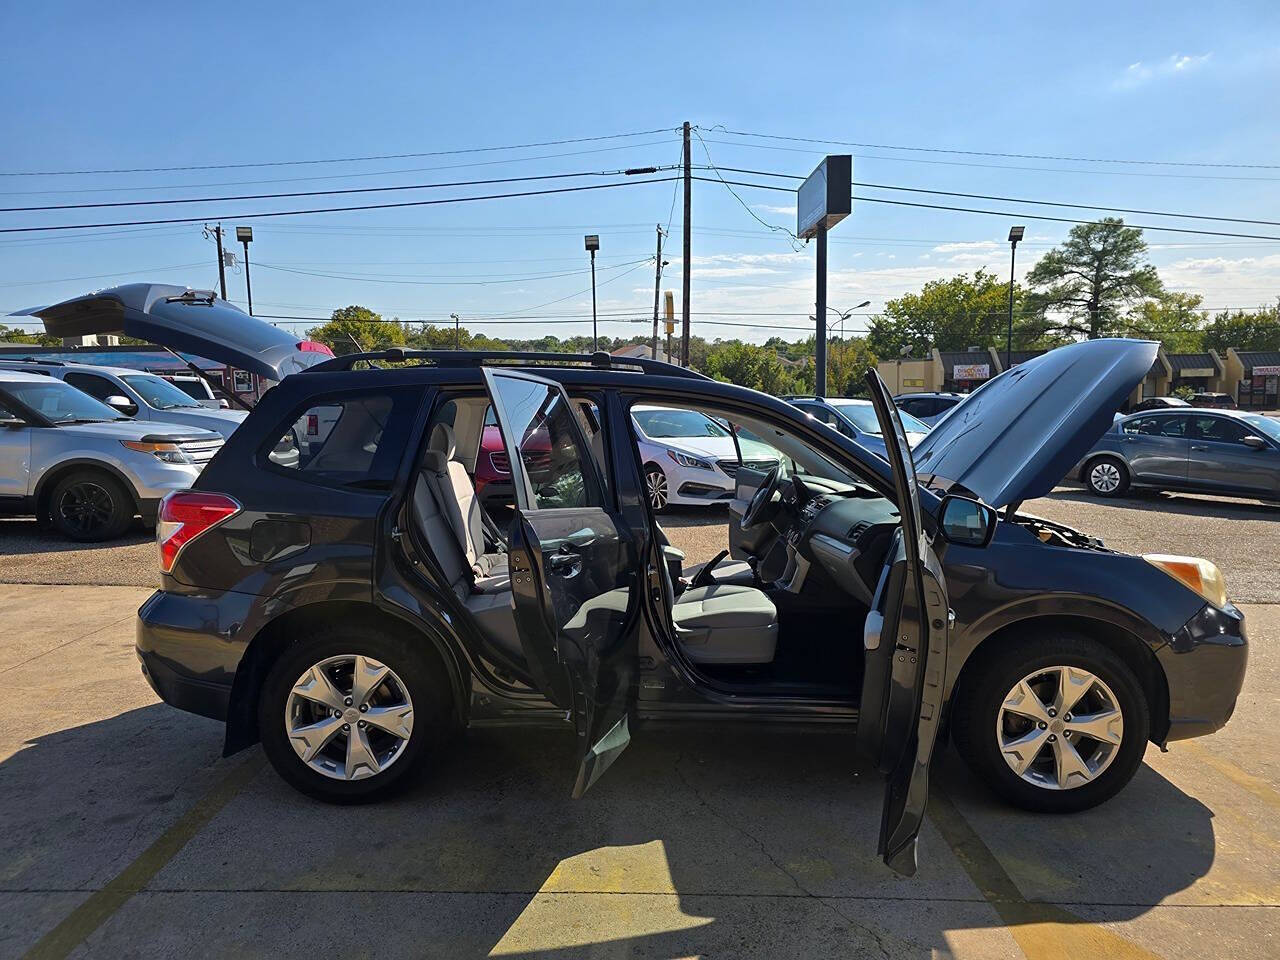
[(186, 514), (313, 424)]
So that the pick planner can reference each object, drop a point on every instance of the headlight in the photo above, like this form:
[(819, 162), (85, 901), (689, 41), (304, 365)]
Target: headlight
[(687, 461), (168, 452), (1194, 572)]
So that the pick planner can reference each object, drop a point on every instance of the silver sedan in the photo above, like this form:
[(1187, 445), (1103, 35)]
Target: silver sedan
[(1230, 452)]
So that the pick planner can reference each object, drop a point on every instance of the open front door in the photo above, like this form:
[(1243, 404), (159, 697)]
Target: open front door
[(906, 656), (573, 572)]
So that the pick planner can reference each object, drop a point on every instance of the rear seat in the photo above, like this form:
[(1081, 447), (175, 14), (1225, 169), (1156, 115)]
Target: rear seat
[(456, 496)]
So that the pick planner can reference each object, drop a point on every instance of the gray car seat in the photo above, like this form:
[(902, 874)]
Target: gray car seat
[(461, 506), (724, 624)]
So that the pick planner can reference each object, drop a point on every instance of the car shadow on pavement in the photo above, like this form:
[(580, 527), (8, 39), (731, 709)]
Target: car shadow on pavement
[(715, 841), (1200, 505), (23, 535)]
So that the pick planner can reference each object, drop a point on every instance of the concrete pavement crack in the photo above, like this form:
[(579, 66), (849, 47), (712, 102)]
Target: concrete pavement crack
[(782, 868)]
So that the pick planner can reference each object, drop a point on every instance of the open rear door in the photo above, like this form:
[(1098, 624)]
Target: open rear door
[(906, 656), (573, 572)]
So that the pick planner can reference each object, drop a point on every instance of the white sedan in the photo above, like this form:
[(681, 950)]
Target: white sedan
[(690, 459)]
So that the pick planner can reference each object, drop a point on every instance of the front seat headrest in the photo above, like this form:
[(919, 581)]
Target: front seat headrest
[(442, 440)]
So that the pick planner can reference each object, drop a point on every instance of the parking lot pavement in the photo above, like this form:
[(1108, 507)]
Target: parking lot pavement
[(125, 833)]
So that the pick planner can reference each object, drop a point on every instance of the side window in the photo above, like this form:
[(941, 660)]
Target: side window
[(1219, 429), (97, 387), (345, 442), (547, 442), (1172, 426)]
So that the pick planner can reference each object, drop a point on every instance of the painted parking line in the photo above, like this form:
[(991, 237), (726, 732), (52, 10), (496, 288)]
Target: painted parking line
[(1043, 931), (104, 903)]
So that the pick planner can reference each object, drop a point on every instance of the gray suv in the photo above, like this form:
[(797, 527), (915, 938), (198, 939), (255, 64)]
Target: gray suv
[(83, 467)]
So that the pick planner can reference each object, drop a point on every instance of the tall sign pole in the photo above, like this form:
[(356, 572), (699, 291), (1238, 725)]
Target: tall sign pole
[(688, 246), (657, 284), (822, 201)]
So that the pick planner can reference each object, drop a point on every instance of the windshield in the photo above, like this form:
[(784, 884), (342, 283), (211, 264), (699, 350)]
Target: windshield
[(157, 392), (1268, 425), (61, 402), (863, 416), (677, 423), (196, 389)]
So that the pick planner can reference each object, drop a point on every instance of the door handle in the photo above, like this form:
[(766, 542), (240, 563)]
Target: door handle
[(564, 559), (1198, 446)]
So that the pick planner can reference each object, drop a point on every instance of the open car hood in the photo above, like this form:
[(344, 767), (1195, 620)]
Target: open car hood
[(1015, 437), (193, 321)]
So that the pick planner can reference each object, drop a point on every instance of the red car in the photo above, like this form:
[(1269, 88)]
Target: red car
[(493, 469)]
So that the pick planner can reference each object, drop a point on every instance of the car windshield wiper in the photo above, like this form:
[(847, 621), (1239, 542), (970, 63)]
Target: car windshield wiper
[(85, 419)]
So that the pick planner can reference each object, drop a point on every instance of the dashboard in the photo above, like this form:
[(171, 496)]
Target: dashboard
[(844, 529)]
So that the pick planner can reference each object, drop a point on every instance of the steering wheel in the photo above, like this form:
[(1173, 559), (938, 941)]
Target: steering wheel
[(761, 501)]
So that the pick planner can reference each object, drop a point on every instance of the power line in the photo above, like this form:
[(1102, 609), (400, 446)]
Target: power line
[(1042, 203), (334, 193), (446, 283), (1006, 213), (292, 163), (990, 153), (773, 227), (369, 206)]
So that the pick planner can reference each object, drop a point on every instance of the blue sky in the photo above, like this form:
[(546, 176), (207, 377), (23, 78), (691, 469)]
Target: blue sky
[(151, 85)]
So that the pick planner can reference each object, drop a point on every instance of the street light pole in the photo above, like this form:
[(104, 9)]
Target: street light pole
[(1015, 234), (245, 236), (592, 243), (457, 331)]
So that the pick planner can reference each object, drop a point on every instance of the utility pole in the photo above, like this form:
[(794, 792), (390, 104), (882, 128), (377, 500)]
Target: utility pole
[(688, 246), (222, 263), (657, 283)]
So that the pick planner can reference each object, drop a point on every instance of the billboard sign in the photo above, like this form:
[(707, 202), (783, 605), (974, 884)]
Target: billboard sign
[(826, 197)]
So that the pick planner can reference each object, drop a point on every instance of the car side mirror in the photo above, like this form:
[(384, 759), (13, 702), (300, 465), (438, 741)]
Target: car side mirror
[(1255, 443), (9, 420), (967, 522), (123, 404)]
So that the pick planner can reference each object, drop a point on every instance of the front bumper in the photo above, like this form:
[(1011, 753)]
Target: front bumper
[(692, 486), (152, 478), (1204, 666)]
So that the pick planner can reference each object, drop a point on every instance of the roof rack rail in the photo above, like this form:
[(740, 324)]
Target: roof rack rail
[(5, 358), (475, 358)]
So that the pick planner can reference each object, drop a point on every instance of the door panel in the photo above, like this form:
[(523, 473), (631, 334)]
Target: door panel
[(15, 458), (573, 569), (1219, 460), (1156, 448), (905, 640)]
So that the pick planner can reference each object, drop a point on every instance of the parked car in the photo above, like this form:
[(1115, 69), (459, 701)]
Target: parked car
[(856, 419), (1218, 401), (1158, 403), (1201, 451), (928, 408), (76, 463), (492, 473), (690, 459), (352, 614), (197, 389)]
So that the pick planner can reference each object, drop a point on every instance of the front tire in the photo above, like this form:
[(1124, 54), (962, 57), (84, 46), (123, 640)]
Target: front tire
[(352, 714), (655, 482), (1106, 477), (90, 506), (1053, 723)]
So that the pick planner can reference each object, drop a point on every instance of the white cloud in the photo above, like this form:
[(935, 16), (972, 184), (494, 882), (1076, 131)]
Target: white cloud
[(1244, 282), (1142, 71), (771, 208)]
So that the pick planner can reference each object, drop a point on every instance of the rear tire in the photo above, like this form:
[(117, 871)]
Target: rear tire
[(414, 696), (1106, 477), (986, 731), (90, 506)]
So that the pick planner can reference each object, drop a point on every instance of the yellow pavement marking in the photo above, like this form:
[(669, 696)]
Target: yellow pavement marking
[(1255, 785), (104, 903), (1041, 930)]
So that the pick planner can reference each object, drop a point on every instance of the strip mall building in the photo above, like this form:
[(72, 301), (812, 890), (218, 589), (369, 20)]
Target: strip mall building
[(1250, 377)]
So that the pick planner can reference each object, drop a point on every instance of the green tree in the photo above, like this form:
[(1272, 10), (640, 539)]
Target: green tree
[(1173, 319), (354, 329), (736, 362), (37, 337), (1087, 286), (951, 314), (1244, 329), (847, 365)]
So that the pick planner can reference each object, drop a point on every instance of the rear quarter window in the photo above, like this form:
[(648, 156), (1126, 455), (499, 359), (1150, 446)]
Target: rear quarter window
[(352, 441)]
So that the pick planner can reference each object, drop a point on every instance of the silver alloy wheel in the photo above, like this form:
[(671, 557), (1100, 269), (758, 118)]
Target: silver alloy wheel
[(1104, 477), (1059, 728), (656, 481), (349, 717)]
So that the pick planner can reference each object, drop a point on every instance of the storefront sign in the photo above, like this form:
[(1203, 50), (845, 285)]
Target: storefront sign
[(911, 382), (971, 371), (1268, 371)]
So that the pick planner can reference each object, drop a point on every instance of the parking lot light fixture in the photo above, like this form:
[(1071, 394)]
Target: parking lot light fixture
[(1015, 234), (245, 236)]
